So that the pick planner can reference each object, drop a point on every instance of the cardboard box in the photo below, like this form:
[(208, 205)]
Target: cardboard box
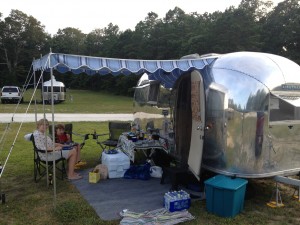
[(94, 176)]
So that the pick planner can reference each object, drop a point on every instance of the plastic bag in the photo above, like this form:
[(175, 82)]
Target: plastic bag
[(103, 171), (156, 171), (141, 172)]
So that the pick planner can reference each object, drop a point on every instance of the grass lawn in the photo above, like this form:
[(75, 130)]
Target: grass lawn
[(32, 203), (82, 101)]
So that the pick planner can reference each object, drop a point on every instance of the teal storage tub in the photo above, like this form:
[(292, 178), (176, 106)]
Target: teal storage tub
[(225, 195)]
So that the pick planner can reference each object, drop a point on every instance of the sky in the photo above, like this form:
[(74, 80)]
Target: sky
[(88, 15)]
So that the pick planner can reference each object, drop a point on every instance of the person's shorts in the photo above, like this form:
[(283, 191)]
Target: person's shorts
[(65, 153)]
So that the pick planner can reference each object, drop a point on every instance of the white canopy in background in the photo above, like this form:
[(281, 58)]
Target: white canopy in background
[(166, 71)]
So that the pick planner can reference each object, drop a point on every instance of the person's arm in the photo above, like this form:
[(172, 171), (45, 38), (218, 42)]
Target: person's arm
[(59, 145), (40, 143)]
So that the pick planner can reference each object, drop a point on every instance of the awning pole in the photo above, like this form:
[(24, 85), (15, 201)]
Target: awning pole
[(53, 138), (35, 86)]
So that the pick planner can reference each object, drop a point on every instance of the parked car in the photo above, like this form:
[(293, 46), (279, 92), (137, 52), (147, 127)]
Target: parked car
[(11, 94)]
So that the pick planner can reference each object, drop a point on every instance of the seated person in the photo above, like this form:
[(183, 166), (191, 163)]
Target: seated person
[(61, 137), (41, 139)]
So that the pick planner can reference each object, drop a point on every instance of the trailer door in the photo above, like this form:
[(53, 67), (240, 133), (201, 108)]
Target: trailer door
[(198, 118)]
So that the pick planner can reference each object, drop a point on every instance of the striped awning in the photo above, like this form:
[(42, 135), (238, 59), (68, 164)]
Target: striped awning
[(166, 71)]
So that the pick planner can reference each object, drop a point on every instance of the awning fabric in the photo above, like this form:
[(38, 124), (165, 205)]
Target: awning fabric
[(166, 71)]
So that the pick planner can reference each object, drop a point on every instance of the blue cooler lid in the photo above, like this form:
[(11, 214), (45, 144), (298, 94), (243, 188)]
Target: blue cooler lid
[(111, 151), (221, 181)]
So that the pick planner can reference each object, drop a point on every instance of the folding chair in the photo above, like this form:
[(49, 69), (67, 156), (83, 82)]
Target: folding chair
[(69, 130), (116, 128), (40, 165)]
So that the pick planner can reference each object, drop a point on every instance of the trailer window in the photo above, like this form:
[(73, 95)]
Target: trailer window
[(147, 93), (141, 94), (55, 89)]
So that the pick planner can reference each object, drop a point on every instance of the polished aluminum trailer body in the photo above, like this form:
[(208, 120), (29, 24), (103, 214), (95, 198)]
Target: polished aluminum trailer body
[(248, 123), (59, 91)]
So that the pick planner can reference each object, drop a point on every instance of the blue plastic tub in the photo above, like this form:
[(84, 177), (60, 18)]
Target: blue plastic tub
[(224, 195)]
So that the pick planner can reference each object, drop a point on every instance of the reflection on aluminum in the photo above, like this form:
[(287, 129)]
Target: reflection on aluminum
[(252, 115)]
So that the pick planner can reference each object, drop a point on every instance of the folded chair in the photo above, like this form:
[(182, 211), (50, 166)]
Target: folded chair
[(40, 166), (116, 128)]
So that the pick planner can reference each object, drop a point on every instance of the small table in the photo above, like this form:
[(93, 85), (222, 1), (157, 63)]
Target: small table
[(129, 147)]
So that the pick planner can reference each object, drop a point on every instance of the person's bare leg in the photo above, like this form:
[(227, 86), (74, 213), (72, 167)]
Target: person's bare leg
[(78, 153), (71, 164)]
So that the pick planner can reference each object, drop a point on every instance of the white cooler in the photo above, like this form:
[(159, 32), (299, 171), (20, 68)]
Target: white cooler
[(117, 164)]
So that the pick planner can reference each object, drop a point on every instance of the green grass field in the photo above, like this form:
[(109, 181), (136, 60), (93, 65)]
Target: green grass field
[(33, 203), (77, 101)]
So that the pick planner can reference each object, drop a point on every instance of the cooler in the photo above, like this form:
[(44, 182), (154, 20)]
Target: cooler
[(117, 163), (225, 195)]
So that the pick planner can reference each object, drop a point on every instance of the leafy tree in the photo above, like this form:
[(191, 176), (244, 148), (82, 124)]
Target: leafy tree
[(125, 84), (143, 35), (252, 26), (172, 34), (22, 37), (237, 29), (111, 35), (195, 38), (107, 83), (282, 29), (128, 45), (94, 42), (69, 40)]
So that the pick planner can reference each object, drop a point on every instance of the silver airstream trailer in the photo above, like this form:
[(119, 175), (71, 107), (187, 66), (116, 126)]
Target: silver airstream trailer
[(238, 116), (59, 91)]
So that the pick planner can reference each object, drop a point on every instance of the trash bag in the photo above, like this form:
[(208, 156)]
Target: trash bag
[(156, 171), (141, 172)]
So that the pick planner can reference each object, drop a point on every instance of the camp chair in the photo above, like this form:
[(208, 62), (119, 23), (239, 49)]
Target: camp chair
[(69, 130), (150, 127), (116, 128), (40, 166)]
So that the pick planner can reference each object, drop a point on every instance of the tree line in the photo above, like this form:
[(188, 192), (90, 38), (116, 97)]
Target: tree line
[(254, 25)]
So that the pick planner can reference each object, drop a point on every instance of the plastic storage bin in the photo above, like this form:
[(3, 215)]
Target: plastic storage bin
[(117, 164), (224, 195), (177, 201)]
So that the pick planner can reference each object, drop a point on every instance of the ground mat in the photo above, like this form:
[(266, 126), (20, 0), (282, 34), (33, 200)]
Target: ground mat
[(109, 197)]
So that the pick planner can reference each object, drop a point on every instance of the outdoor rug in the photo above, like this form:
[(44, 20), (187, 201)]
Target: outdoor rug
[(109, 197)]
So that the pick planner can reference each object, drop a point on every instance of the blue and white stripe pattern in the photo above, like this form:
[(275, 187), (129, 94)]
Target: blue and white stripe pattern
[(167, 71)]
